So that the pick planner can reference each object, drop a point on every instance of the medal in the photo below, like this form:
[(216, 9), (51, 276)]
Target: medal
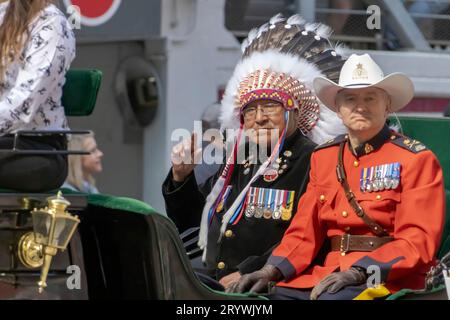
[(259, 210), (276, 214), (250, 210), (267, 213), (388, 178), (362, 179), (375, 186), (286, 212), (396, 175), (270, 175), (369, 182), (382, 176)]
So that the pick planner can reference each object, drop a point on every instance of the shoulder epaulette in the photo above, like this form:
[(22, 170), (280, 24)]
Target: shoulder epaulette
[(337, 140), (409, 144)]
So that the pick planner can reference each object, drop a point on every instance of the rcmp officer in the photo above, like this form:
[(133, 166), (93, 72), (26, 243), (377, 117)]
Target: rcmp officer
[(383, 210), (247, 206)]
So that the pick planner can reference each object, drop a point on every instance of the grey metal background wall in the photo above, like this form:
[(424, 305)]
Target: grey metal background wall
[(104, 47)]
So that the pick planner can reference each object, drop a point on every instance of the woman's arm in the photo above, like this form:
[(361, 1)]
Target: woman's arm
[(41, 70)]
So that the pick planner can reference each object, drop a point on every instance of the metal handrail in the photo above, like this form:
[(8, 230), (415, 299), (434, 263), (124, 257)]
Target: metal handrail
[(18, 134)]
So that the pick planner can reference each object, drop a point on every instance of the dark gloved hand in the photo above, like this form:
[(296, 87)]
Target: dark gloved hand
[(256, 282), (338, 280)]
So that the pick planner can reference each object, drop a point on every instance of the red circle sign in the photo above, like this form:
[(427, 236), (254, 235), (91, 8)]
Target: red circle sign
[(93, 9), (94, 13)]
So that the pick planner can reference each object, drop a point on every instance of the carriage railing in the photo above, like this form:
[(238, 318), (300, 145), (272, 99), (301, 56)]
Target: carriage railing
[(16, 150)]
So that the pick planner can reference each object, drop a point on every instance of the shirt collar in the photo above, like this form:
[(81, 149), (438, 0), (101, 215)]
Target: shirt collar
[(372, 144)]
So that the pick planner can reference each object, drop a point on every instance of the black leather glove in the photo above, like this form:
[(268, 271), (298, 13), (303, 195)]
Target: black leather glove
[(338, 280), (256, 282)]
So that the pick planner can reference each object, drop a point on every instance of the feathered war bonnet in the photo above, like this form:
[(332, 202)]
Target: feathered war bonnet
[(280, 61)]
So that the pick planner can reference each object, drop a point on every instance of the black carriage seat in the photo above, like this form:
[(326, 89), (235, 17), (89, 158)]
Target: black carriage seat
[(132, 252)]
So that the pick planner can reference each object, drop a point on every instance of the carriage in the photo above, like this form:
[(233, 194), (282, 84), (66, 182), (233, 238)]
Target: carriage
[(121, 248)]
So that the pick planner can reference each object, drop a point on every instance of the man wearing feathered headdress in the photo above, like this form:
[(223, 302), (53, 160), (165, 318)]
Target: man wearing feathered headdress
[(245, 208)]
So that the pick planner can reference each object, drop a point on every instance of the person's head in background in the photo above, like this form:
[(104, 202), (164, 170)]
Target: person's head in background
[(82, 168)]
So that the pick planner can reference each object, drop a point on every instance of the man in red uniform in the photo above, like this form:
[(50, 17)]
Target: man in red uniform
[(375, 197)]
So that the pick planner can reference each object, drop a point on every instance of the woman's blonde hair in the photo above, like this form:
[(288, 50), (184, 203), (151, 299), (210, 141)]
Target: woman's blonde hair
[(14, 31), (76, 175)]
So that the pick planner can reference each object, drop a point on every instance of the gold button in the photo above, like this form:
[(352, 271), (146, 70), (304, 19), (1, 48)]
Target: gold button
[(345, 214), (322, 198), (355, 163), (347, 229), (378, 197), (221, 265), (228, 233)]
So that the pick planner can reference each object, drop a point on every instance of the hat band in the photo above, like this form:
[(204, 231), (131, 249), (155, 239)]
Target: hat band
[(268, 94), (358, 84)]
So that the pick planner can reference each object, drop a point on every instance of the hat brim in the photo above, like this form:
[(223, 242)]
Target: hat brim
[(398, 86)]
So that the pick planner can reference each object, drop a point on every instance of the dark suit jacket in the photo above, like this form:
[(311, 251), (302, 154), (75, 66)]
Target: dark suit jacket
[(252, 239)]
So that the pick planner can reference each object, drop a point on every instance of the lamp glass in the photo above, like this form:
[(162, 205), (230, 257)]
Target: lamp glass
[(53, 230)]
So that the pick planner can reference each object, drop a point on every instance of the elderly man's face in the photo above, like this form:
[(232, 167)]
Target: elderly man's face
[(266, 117), (364, 109)]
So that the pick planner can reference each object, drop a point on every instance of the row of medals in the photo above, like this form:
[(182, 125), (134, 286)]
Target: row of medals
[(259, 211), (381, 183)]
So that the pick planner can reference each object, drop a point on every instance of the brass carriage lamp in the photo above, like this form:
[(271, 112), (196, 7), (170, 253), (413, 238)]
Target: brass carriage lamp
[(53, 227)]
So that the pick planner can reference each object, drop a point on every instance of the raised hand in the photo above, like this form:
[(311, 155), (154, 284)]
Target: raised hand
[(185, 157)]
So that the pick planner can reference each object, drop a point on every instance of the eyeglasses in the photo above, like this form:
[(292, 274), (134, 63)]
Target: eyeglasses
[(250, 112)]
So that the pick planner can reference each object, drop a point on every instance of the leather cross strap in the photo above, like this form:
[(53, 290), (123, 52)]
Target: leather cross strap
[(348, 242), (342, 178)]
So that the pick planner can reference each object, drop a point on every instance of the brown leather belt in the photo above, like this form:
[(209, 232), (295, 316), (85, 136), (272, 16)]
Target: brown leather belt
[(348, 242)]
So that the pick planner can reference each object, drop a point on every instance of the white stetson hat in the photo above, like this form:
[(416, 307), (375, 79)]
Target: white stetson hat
[(360, 71)]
